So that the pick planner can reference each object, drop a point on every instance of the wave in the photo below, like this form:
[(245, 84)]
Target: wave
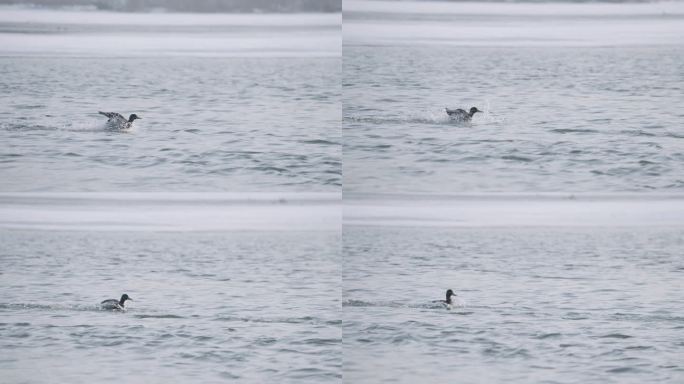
[(400, 120), (319, 141), (83, 126), (56, 307), (159, 317), (284, 320), (394, 304), (615, 336), (428, 118), (573, 130)]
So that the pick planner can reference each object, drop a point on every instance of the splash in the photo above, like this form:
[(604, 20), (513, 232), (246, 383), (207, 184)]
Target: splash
[(79, 126)]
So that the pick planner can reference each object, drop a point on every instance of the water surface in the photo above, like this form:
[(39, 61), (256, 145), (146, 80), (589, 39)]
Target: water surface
[(228, 102), (555, 304), (212, 302), (583, 107)]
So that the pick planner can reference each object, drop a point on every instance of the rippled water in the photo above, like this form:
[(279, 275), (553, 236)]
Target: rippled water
[(559, 305), (567, 112), (555, 215), (224, 105), (252, 306)]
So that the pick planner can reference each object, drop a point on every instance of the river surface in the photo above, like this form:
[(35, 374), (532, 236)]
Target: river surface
[(212, 302), (547, 291), (228, 102), (556, 214), (575, 97)]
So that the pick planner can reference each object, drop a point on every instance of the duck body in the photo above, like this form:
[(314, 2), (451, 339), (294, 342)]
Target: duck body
[(449, 302), (461, 114), (117, 122), (114, 304)]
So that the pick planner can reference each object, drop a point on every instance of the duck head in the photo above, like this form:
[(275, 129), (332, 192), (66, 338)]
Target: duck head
[(473, 110), (133, 117), (124, 297), (449, 293)]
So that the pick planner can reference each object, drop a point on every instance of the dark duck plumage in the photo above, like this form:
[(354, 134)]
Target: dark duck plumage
[(116, 121), (448, 303), (461, 115), (115, 304)]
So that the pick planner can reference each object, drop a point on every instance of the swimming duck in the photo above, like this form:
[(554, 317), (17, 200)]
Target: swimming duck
[(116, 121), (460, 114), (448, 303), (115, 304)]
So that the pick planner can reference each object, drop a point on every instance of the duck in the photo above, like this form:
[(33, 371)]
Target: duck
[(115, 304), (460, 114), (448, 303), (117, 121)]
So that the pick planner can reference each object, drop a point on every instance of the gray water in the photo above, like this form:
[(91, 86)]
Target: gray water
[(554, 305), (248, 306), (552, 286), (555, 215), (207, 124), (224, 106), (582, 107)]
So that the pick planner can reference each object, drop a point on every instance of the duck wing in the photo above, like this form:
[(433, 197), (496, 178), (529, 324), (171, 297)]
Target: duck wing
[(111, 304), (112, 115), (456, 112)]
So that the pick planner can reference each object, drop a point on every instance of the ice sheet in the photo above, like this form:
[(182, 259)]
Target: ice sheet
[(522, 210), (170, 211), (103, 34), (513, 24)]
